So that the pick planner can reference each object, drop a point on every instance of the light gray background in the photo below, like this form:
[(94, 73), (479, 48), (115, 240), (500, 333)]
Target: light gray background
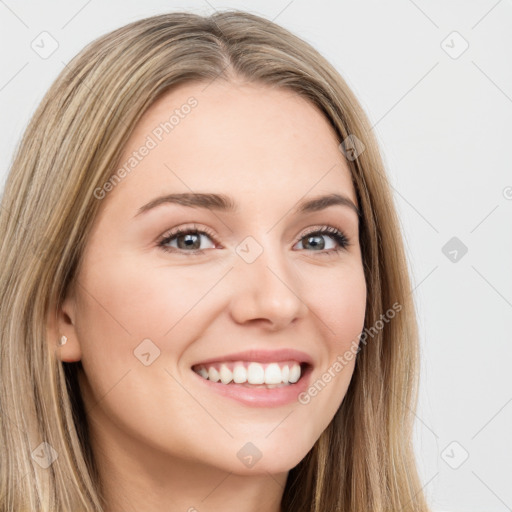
[(444, 122)]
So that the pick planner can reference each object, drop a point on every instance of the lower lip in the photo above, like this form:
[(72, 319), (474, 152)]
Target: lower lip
[(260, 397)]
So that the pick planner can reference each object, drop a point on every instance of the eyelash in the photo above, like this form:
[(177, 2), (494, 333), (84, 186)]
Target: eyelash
[(339, 237)]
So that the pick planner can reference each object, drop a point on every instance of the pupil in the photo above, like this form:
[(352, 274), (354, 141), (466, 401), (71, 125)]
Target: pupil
[(189, 241)]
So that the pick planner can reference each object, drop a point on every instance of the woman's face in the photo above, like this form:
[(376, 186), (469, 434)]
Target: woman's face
[(240, 293)]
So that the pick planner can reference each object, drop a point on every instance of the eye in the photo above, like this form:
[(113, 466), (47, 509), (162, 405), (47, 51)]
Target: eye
[(316, 240), (186, 240), (190, 240)]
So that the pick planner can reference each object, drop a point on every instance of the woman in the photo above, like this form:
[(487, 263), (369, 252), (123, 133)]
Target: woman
[(205, 297)]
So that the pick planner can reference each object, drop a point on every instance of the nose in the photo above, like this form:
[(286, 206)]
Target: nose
[(266, 292)]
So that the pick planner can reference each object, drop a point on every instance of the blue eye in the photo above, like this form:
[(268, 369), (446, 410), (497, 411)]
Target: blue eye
[(316, 240)]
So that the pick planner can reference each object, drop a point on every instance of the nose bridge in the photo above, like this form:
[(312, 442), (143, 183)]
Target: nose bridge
[(265, 287)]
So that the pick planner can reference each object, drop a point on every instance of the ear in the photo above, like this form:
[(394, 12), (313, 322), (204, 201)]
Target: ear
[(62, 322)]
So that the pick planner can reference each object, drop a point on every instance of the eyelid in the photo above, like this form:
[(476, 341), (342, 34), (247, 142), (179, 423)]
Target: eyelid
[(186, 228), (315, 229)]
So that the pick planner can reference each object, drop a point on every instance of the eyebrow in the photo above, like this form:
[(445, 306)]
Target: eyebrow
[(221, 202)]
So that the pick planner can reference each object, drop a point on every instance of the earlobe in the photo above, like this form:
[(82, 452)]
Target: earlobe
[(68, 351)]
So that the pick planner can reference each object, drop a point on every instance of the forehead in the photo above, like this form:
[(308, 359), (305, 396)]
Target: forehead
[(244, 139)]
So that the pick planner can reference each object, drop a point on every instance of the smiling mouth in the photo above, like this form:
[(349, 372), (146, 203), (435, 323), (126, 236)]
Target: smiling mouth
[(253, 374)]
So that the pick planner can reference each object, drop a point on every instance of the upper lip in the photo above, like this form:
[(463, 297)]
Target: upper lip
[(261, 356)]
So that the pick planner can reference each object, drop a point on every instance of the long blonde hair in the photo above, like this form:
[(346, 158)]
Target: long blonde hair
[(364, 460)]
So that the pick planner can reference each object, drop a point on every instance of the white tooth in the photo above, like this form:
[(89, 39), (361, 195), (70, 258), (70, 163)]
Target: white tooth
[(273, 374), (240, 374), (226, 376), (213, 374), (285, 372), (203, 372), (255, 374), (294, 373)]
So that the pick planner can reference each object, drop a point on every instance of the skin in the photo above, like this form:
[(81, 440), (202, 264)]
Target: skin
[(164, 441)]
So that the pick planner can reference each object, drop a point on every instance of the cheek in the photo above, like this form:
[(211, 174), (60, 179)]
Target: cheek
[(127, 311), (340, 303), (124, 299), (119, 311)]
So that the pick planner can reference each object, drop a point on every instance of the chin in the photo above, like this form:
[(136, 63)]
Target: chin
[(264, 456), (265, 467)]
